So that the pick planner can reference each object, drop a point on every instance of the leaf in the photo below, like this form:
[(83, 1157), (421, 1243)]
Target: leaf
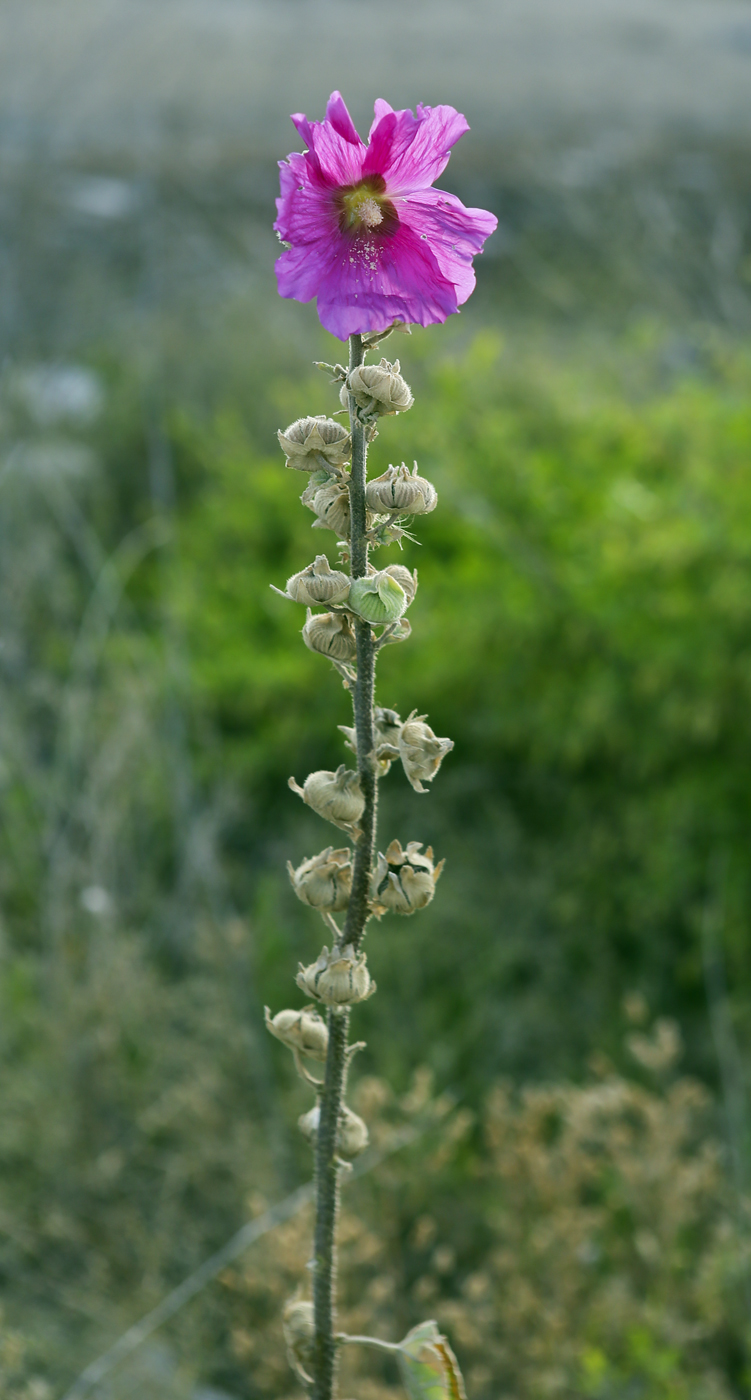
[(429, 1369)]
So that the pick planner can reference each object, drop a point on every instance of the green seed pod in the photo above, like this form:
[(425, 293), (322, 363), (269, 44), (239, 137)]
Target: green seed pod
[(405, 579), (307, 440), (378, 598)]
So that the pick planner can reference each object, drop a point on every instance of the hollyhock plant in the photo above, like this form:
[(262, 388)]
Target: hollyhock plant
[(369, 236), (365, 231)]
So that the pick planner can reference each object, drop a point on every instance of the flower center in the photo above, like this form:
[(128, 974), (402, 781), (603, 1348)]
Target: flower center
[(364, 207), (367, 212)]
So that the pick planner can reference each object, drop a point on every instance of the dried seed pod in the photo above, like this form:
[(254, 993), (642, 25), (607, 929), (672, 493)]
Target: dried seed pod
[(405, 579), (330, 503), (338, 978), (307, 440), (319, 583), (298, 1326), (387, 725), (421, 752), (331, 634), (336, 796), (303, 1031), (401, 490), (352, 1133), (324, 881), (377, 389), (403, 881), (379, 598)]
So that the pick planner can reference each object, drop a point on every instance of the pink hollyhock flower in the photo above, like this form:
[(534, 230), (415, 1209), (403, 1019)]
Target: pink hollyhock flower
[(364, 230)]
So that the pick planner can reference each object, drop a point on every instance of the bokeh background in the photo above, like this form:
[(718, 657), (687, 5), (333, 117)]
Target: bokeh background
[(566, 1028)]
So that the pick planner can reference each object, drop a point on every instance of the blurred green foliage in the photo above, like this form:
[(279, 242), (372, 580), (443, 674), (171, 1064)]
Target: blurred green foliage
[(582, 631)]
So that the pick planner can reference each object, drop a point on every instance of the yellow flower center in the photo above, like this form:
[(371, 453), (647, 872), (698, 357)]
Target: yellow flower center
[(368, 212), (365, 206)]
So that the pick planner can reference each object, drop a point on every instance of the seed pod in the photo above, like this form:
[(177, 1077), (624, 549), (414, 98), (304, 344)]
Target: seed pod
[(421, 752), (405, 579), (401, 490), (324, 881), (330, 503), (308, 440), (303, 1031), (319, 583), (338, 978), (378, 598), (377, 389), (331, 634), (298, 1326), (336, 796), (387, 725), (403, 881), (352, 1133)]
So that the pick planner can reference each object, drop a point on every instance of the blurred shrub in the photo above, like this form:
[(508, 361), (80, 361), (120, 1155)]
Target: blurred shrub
[(588, 1249), (583, 631)]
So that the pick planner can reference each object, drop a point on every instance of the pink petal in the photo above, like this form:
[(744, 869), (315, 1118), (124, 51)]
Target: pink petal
[(363, 284), (332, 153), (338, 116), (306, 211), (420, 147), (390, 137), (453, 233)]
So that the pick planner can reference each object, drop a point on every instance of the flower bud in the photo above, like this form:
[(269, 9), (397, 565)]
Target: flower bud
[(405, 579), (336, 796), (303, 1031), (421, 752), (403, 881), (377, 389), (378, 598), (308, 440), (324, 881), (401, 490), (330, 503), (338, 978), (298, 1326), (319, 583), (352, 1133), (331, 634)]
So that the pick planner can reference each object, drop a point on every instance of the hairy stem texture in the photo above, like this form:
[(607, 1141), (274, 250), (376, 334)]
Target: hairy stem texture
[(327, 1169)]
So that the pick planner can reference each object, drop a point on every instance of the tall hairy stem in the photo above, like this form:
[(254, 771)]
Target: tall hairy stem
[(326, 1165)]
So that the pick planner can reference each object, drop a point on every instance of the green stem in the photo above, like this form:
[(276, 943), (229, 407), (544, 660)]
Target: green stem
[(332, 1097)]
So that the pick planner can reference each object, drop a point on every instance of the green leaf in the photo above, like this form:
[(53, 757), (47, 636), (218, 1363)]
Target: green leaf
[(430, 1370)]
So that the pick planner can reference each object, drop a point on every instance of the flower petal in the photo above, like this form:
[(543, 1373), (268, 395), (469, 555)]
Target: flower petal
[(338, 116), (364, 285), (419, 148), (306, 211), (390, 136), (453, 233), (336, 149)]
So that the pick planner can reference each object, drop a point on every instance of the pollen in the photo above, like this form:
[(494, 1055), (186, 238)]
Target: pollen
[(368, 212)]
